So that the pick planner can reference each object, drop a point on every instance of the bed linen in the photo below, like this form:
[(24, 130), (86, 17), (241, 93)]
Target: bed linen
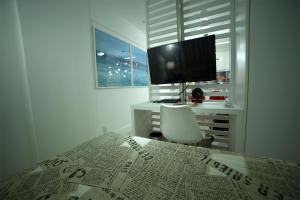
[(117, 167)]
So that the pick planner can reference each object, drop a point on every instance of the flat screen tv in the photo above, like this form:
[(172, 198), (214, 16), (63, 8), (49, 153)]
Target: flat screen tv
[(186, 61)]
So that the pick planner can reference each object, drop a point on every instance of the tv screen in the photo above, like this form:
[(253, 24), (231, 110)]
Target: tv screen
[(186, 61)]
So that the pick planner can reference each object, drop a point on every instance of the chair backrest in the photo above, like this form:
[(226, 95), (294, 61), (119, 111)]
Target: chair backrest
[(178, 124)]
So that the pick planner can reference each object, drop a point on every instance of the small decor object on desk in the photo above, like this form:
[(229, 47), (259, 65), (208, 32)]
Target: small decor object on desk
[(227, 103), (197, 93)]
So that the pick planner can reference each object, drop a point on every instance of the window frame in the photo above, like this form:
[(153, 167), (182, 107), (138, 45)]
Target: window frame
[(124, 39)]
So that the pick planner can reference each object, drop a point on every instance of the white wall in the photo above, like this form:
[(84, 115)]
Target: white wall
[(18, 148), (67, 108), (57, 50), (66, 105), (272, 120), (104, 14)]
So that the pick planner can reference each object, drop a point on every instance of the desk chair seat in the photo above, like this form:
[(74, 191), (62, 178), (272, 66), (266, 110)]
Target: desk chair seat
[(178, 124)]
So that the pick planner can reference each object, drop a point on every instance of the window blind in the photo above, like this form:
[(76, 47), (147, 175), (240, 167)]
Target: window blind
[(198, 18), (161, 22), (207, 17)]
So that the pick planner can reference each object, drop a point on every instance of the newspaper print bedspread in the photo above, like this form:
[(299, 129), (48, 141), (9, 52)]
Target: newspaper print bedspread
[(118, 167)]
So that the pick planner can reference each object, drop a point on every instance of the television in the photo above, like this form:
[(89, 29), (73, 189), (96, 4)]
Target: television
[(186, 61)]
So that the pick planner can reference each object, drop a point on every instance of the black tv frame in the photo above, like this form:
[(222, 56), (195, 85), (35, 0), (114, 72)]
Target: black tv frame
[(177, 62)]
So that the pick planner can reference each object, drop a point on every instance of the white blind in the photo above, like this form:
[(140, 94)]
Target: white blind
[(198, 18), (161, 22), (169, 91), (207, 17)]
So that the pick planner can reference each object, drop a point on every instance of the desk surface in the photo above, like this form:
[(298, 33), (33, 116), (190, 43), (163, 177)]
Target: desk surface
[(206, 107)]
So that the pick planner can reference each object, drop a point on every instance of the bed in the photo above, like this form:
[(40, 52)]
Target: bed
[(118, 167)]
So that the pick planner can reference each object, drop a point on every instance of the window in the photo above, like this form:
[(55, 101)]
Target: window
[(168, 22), (118, 63)]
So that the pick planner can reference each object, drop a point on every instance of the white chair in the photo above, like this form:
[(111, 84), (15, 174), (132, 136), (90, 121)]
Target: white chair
[(178, 124)]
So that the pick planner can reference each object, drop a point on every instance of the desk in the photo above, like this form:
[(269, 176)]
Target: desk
[(141, 115)]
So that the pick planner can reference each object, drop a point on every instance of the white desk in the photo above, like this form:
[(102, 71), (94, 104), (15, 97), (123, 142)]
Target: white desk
[(141, 115)]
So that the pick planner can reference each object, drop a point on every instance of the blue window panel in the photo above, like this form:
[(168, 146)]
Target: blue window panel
[(140, 67), (113, 61)]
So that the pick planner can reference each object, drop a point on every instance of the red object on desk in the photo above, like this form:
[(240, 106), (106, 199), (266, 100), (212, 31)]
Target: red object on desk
[(216, 97), (192, 99)]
